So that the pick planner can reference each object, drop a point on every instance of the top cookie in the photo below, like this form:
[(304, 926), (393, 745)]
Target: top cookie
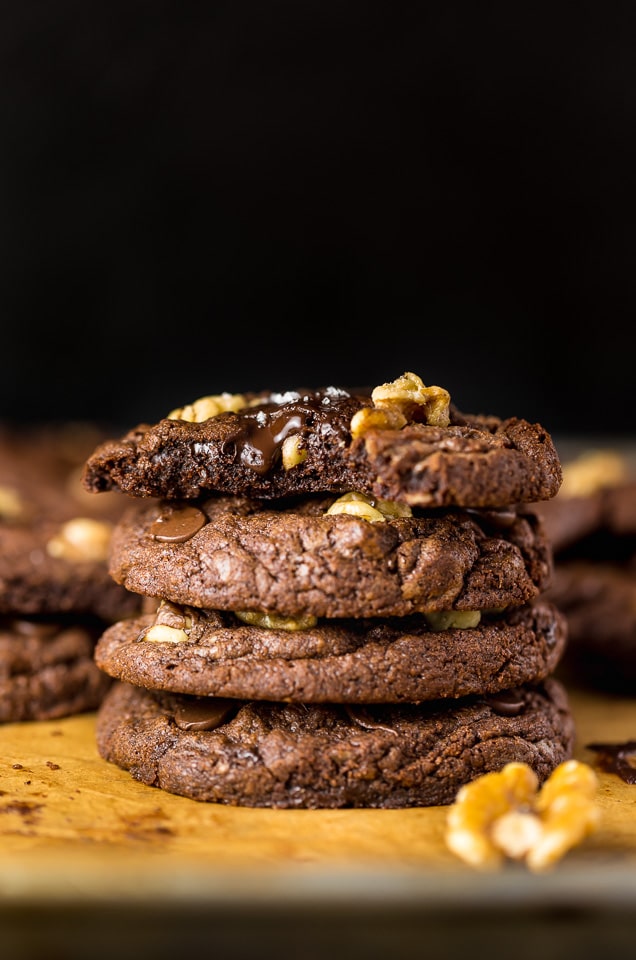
[(403, 441)]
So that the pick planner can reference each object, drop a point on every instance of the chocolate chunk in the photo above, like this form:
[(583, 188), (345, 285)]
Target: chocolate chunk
[(204, 713), (177, 523), (619, 758)]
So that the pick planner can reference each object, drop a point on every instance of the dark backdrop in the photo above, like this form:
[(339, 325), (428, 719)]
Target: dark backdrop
[(212, 196)]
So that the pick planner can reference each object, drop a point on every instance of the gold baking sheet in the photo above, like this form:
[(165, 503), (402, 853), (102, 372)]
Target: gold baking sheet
[(79, 839), (60, 804)]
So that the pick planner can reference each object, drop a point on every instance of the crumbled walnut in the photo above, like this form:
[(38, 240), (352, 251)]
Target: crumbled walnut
[(402, 401), (592, 471), (375, 511), (172, 625), (392, 508), (292, 452), (505, 814), (446, 619), (414, 399), (161, 633), (272, 621), (372, 418), (82, 539), (206, 407), (357, 508)]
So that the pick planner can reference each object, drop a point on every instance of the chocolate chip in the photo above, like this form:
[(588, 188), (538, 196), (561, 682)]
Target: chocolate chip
[(508, 703), (204, 713), (176, 524)]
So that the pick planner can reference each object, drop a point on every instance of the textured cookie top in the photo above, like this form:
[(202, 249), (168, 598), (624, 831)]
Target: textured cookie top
[(310, 557), (403, 441)]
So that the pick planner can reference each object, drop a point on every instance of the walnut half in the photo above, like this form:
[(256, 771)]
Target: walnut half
[(505, 815), (172, 624), (402, 401)]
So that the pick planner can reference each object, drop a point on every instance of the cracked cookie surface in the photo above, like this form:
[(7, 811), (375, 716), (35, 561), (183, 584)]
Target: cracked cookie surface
[(295, 559), (474, 460), (325, 756)]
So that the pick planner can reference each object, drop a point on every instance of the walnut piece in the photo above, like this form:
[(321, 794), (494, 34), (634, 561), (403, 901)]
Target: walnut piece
[(373, 418), (82, 539), (292, 452), (368, 508), (206, 407), (505, 815), (272, 621), (593, 471), (402, 401), (172, 625)]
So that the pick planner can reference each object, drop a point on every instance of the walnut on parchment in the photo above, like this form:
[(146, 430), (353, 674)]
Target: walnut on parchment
[(506, 814)]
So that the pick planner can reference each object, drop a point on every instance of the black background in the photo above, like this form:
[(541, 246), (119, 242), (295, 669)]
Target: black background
[(199, 197)]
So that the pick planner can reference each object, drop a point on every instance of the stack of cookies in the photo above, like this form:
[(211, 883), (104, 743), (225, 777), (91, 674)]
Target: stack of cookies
[(343, 599), (56, 593)]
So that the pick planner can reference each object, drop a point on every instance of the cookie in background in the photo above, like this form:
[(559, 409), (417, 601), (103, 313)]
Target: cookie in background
[(591, 524), (56, 595)]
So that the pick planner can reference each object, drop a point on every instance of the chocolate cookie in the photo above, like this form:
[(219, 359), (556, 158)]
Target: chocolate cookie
[(261, 754), (47, 669), (348, 661), (34, 581), (599, 603), (299, 558), (56, 593), (591, 525), (54, 538), (41, 467), (595, 506), (402, 442)]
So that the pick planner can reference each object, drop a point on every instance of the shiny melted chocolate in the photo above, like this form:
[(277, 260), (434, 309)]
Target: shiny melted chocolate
[(205, 713), (508, 703), (619, 758), (176, 524), (265, 427)]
